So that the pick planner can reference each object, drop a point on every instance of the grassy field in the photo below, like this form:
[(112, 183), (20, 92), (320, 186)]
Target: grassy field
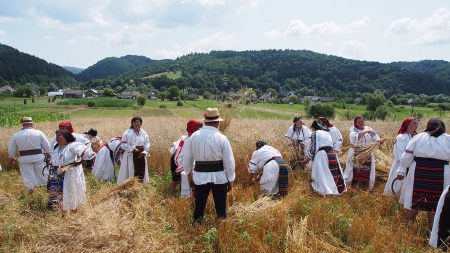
[(170, 75), (139, 218)]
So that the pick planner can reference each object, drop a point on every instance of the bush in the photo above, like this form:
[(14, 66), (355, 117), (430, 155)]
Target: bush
[(141, 100), (179, 103), (90, 103), (316, 110), (162, 106)]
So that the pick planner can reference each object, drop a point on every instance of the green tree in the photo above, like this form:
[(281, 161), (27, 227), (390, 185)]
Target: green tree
[(141, 100), (374, 101), (293, 99), (107, 92), (173, 92), (23, 91), (206, 94), (316, 110), (43, 91), (394, 99)]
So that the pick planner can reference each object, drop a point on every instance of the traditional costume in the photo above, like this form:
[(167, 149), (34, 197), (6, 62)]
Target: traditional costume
[(360, 169), (326, 174), (274, 170), (214, 165), (176, 166), (399, 147), (299, 138), (66, 184), (31, 144), (441, 226), (107, 155), (429, 172), (131, 166)]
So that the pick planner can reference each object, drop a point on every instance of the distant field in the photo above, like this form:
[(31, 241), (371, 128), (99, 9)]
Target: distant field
[(170, 75)]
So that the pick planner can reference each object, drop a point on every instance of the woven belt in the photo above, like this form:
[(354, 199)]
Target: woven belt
[(326, 149), (271, 159), (208, 166), (30, 152)]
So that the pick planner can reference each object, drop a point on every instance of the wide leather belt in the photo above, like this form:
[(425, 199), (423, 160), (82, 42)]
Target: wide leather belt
[(30, 152)]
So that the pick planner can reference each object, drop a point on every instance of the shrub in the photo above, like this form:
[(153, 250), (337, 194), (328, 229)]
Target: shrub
[(162, 106), (141, 100), (90, 103), (316, 110)]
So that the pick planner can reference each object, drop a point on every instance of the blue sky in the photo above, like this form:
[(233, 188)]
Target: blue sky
[(80, 33)]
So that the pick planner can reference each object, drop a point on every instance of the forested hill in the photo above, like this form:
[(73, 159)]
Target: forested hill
[(438, 68), (73, 69), (113, 66), (306, 72), (17, 68)]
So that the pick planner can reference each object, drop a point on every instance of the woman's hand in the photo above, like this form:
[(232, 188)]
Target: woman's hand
[(306, 161)]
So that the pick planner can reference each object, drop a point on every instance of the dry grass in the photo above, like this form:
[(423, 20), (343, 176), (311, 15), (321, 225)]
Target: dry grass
[(138, 218)]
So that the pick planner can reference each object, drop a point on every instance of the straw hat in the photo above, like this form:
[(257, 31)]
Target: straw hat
[(26, 120), (212, 115)]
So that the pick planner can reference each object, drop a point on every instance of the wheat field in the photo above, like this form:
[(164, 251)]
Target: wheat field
[(133, 217)]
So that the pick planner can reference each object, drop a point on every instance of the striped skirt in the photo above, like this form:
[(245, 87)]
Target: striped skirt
[(428, 183), (283, 176), (55, 188), (333, 164)]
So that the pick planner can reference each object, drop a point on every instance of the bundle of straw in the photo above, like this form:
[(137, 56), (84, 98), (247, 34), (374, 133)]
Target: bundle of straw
[(230, 110), (64, 169), (363, 154)]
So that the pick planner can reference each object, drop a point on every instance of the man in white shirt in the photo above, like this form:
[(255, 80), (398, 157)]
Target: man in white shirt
[(214, 165), (31, 145)]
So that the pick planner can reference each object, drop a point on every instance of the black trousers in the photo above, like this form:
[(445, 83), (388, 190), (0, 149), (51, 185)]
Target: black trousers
[(219, 192)]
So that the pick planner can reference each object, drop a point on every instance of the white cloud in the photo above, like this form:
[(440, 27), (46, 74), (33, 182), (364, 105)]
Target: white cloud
[(166, 54), (298, 28), (353, 49), (72, 42), (248, 4), (433, 30), (211, 2), (218, 41), (48, 38), (122, 38), (47, 22), (4, 19)]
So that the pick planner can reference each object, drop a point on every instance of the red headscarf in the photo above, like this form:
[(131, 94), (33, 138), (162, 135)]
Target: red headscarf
[(405, 125), (67, 125), (192, 126)]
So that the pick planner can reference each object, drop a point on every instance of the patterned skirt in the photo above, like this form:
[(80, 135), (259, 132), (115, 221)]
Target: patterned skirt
[(283, 176), (55, 188), (333, 164), (361, 170), (428, 183)]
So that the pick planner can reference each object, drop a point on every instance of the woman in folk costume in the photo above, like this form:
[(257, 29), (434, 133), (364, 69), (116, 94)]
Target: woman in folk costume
[(273, 178), (298, 137), (440, 234), (360, 167), (404, 135), (96, 143), (135, 143), (427, 156), (176, 161), (66, 184), (106, 156), (336, 135), (326, 174), (67, 125)]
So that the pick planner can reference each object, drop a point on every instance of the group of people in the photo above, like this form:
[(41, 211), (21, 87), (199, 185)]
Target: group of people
[(203, 162)]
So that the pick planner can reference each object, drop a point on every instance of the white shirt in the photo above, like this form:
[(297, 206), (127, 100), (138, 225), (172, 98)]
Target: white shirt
[(319, 138), (260, 157), (337, 138), (208, 144), (425, 146), (302, 135), (26, 139), (368, 138)]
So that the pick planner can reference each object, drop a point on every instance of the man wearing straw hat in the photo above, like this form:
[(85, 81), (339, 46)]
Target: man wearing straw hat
[(214, 165), (31, 144)]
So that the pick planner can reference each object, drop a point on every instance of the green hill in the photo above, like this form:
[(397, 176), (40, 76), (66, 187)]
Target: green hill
[(113, 66), (301, 71), (437, 68), (73, 69), (17, 68)]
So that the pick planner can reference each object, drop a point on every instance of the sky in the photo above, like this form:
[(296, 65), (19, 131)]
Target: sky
[(82, 32)]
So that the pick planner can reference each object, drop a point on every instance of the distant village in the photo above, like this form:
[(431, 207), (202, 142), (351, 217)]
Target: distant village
[(91, 93)]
